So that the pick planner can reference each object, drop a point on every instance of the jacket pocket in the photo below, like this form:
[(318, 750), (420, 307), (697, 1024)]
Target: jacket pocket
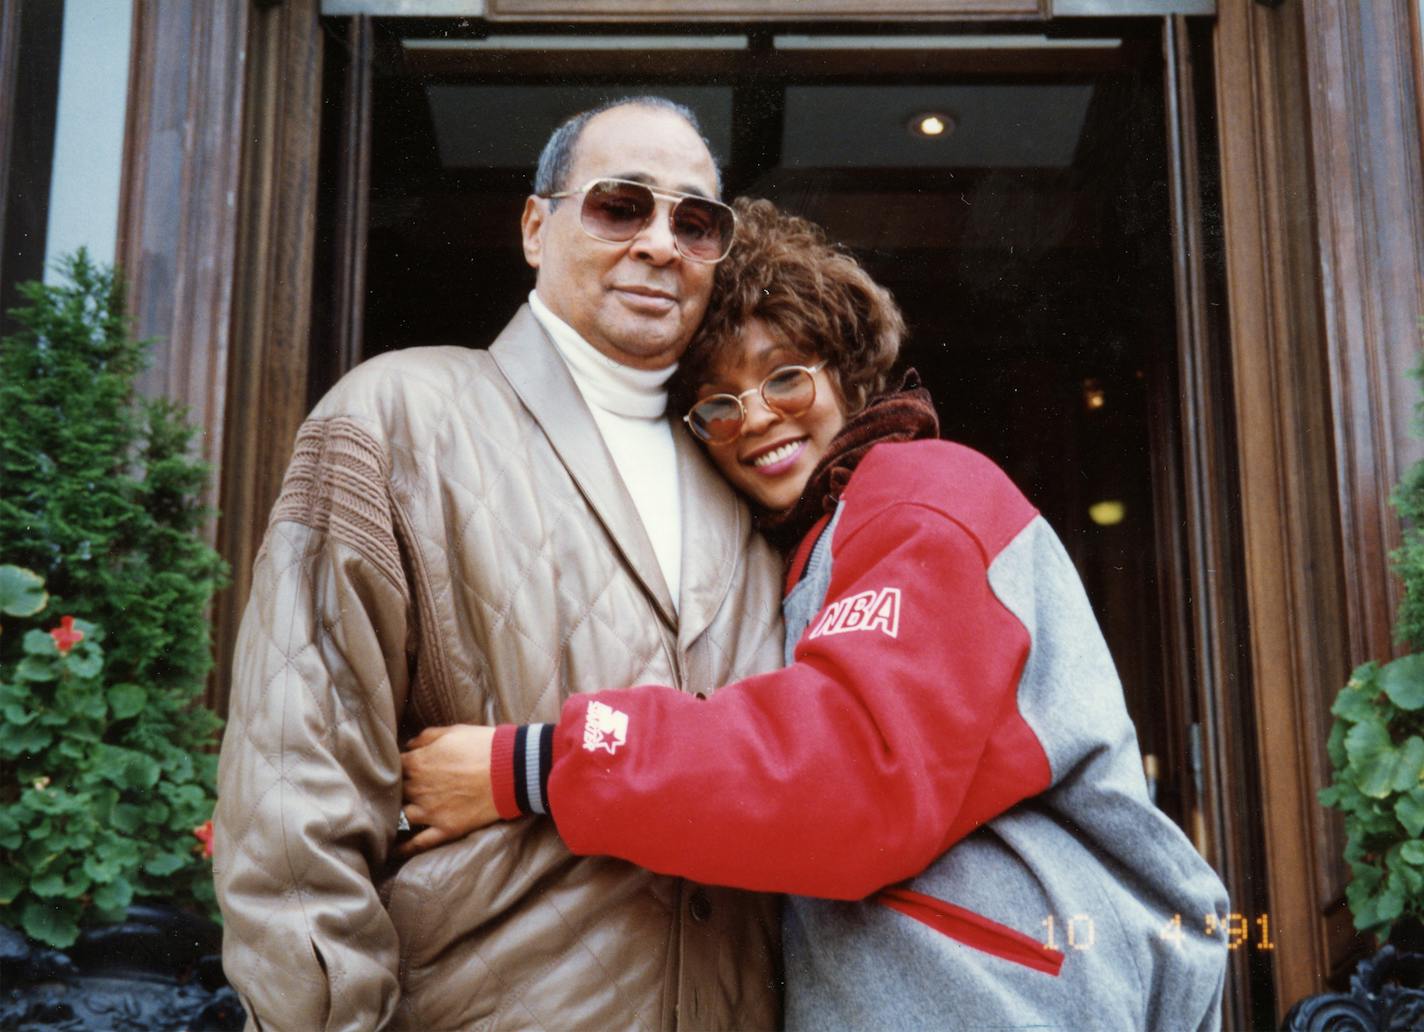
[(972, 929)]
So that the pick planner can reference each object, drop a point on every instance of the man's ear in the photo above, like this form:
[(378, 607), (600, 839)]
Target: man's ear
[(531, 226)]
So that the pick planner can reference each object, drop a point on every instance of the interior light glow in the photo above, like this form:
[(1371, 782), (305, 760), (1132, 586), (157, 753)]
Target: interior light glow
[(930, 124), (1094, 397), (1108, 513)]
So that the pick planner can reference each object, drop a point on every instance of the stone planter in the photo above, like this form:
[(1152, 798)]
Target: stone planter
[(160, 969), (1386, 993)]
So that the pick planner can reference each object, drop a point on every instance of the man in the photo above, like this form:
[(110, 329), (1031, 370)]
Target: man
[(470, 536)]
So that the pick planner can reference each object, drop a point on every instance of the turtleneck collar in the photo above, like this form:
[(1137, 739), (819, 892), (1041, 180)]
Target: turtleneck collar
[(603, 381)]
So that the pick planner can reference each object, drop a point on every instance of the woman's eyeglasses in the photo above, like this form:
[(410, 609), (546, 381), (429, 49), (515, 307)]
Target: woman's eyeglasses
[(788, 390), (617, 210)]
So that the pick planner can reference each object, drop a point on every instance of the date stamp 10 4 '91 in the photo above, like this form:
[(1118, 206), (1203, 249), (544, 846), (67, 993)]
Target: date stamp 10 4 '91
[(1079, 932)]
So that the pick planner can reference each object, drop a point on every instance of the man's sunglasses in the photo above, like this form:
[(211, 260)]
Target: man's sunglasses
[(788, 390), (617, 210)]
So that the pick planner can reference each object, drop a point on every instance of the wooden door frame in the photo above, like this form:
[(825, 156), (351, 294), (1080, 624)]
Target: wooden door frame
[(1202, 601)]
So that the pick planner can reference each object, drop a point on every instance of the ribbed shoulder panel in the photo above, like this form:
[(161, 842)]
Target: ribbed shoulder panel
[(337, 484)]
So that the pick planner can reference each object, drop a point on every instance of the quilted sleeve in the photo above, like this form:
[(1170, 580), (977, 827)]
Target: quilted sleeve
[(309, 777)]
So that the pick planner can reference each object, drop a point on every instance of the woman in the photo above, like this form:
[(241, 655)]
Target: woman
[(949, 722)]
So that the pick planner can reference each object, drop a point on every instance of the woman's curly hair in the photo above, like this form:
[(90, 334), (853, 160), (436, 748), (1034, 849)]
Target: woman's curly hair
[(810, 293)]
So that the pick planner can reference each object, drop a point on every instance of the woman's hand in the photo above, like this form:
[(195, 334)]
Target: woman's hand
[(447, 784)]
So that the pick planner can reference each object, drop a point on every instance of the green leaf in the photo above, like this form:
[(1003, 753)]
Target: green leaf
[(114, 895), (1365, 740), (1413, 852), (1413, 881), (36, 669), (124, 851), (1390, 903), (101, 869), (22, 591), (1410, 811), (85, 663), (48, 884), (1409, 765), (82, 700), (17, 741), (39, 643), (52, 923), (1364, 879), (15, 714), (1355, 703), (1366, 912), (127, 700), (127, 817), (1365, 675), (1335, 745), (164, 864), (106, 915), (1403, 681), (12, 883), (1372, 758), (191, 799), (126, 768), (11, 834)]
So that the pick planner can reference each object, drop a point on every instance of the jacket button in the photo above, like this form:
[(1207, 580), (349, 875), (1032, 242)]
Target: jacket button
[(700, 906)]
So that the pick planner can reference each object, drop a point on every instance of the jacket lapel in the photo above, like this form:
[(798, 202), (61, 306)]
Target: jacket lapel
[(714, 538), (533, 367)]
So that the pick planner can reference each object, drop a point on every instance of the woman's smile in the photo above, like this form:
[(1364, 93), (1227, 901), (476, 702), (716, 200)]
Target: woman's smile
[(778, 458)]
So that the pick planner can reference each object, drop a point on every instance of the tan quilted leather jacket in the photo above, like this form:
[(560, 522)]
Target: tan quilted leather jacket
[(453, 543)]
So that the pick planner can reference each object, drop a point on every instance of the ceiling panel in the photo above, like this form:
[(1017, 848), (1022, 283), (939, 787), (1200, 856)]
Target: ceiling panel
[(506, 126), (995, 126)]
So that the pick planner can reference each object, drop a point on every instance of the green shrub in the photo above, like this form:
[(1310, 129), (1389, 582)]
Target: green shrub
[(1377, 751), (1408, 499), (105, 766)]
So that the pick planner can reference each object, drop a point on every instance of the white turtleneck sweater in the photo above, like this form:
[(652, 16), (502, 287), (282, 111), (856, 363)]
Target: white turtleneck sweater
[(628, 405)]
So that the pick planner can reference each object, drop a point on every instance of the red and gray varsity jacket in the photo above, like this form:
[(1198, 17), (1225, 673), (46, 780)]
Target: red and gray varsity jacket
[(950, 725)]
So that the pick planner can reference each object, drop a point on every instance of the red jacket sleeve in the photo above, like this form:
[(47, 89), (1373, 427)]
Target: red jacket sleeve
[(841, 773)]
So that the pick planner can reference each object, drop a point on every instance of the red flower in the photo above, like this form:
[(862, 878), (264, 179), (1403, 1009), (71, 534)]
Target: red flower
[(65, 636), (204, 834)]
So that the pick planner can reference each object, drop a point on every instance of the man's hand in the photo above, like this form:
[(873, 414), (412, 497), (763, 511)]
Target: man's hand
[(447, 784)]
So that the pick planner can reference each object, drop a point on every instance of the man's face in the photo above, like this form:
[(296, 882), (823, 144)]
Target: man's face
[(640, 301)]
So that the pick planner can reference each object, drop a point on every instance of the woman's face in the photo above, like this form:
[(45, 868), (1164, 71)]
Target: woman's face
[(774, 456)]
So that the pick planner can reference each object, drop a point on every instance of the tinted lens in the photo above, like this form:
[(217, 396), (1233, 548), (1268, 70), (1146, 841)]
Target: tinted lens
[(616, 211), (717, 419), (789, 390), (703, 228)]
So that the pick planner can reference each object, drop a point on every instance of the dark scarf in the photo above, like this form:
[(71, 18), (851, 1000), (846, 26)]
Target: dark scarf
[(905, 414)]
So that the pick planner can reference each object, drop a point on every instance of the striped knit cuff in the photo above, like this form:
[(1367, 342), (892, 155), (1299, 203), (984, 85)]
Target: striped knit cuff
[(534, 756), (520, 760), (502, 772)]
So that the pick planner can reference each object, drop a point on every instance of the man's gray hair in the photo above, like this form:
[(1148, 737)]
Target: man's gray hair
[(557, 158)]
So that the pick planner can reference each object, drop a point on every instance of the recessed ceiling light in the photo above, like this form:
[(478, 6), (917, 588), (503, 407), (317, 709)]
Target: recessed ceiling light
[(930, 124)]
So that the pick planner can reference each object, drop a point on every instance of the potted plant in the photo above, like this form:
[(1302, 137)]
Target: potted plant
[(106, 768), (1376, 750)]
